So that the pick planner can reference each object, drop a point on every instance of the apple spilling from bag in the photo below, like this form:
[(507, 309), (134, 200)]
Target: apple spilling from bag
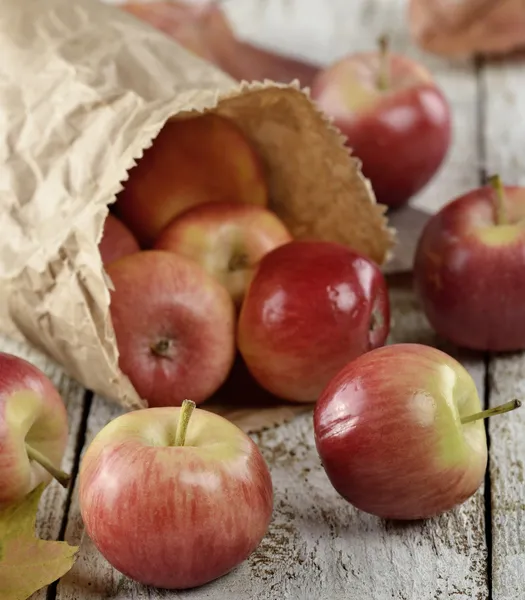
[(33, 430), (197, 261), (311, 307)]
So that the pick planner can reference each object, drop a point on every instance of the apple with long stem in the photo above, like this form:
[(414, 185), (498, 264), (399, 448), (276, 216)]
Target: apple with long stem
[(33, 429), (395, 118), (469, 266), (174, 497), (400, 432), (311, 307), (226, 239)]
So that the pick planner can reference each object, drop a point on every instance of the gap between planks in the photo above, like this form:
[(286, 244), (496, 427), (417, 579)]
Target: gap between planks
[(80, 443)]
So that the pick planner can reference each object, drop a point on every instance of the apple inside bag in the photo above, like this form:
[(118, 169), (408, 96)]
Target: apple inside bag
[(91, 103)]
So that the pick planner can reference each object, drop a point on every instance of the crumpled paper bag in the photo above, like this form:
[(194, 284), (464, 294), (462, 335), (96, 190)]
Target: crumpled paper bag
[(84, 89), (466, 27)]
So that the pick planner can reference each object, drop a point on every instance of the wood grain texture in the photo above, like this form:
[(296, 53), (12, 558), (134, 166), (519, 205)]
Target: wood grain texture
[(318, 546), (54, 499), (504, 140)]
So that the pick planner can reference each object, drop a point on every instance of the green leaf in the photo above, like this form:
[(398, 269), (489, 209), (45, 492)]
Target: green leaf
[(28, 563)]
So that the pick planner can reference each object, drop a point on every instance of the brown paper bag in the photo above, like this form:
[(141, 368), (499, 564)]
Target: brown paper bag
[(84, 89)]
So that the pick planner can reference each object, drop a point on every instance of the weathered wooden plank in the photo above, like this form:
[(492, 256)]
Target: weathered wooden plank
[(318, 546), (54, 499), (504, 84)]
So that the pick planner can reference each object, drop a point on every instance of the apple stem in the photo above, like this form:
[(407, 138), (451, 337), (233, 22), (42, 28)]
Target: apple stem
[(238, 261), (383, 78), (490, 412), (186, 410), (501, 212), (61, 476)]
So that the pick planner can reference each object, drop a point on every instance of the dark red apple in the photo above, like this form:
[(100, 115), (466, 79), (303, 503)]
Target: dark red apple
[(310, 308), (117, 240), (396, 119), (173, 502), (400, 434), (469, 269), (174, 325)]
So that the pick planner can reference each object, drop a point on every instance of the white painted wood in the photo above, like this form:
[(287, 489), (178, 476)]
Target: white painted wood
[(504, 82), (51, 509), (319, 547)]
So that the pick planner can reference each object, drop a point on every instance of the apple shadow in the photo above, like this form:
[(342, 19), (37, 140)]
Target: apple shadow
[(242, 399)]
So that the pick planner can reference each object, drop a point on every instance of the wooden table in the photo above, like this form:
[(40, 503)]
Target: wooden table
[(318, 547)]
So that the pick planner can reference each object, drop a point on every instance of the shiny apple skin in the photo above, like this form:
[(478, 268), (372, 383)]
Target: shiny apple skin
[(162, 298), (227, 239), (472, 289), (388, 432), (174, 517), (401, 135), (117, 240), (194, 160), (310, 308), (31, 410)]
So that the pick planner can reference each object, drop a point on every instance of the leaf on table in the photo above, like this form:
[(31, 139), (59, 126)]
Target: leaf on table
[(466, 27), (28, 563)]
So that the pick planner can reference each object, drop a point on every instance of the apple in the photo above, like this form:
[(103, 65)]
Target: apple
[(395, 118), (117, 240), (193, 160), (469, 265), (33, 430), (174, 327), (227, 239), (174, 500), (400, 434), (311, 307)]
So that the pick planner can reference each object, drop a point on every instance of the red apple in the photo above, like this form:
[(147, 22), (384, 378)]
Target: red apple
[(194, 160), (310, 308), (396, 119), (117, 240), (469, 269), (227, 239), (173, 502), (174, 325), (33, 429), (400, 434)]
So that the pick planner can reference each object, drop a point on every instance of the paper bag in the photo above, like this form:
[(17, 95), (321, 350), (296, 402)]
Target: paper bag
[(84, 89)]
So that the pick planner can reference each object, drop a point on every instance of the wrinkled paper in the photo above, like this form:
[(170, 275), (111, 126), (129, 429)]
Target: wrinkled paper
[(84, 89)]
